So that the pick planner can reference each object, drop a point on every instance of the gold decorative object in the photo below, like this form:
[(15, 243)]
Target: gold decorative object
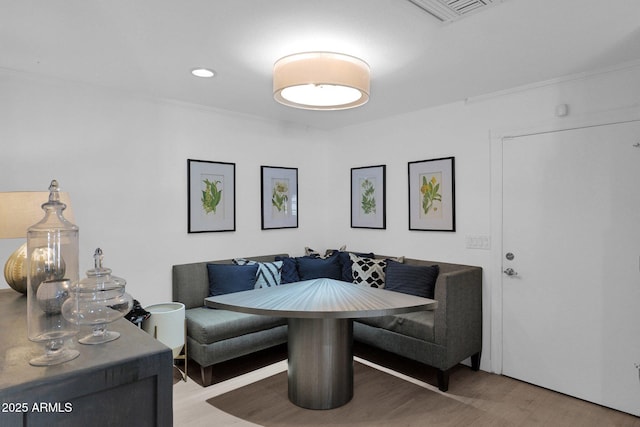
[(18, 211)]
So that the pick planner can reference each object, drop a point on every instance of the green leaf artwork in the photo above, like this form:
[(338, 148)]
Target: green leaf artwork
[(280, 197), (211, 196), (430, 194), (368, 202)]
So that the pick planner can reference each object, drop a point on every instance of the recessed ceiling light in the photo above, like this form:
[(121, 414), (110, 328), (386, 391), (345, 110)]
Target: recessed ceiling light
[(203, 72)]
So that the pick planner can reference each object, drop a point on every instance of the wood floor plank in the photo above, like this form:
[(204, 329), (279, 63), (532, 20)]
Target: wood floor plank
[(408, 394)]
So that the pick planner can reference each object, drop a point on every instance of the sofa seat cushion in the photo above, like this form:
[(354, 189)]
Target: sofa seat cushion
[(208, 325), (416, 324)]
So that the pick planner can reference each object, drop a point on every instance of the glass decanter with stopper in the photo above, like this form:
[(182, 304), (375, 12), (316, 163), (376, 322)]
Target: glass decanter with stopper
[(52, 265), (96, 301)]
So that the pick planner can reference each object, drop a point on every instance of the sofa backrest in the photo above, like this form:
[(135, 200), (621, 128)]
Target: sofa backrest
[(190, 282), (444, 266)]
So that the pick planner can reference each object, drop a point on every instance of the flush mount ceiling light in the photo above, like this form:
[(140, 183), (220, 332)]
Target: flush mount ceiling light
[(321, 81)]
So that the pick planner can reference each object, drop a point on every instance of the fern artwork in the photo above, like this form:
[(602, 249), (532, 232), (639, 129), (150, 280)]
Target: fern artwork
[(211, 195), (430, 191), (368, 201), (368, 197)]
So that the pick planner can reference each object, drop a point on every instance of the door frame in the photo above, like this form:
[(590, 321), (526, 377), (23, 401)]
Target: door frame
[(498, 138)]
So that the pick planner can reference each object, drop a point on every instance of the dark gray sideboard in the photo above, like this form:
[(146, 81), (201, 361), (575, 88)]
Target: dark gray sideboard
[(128, 381)]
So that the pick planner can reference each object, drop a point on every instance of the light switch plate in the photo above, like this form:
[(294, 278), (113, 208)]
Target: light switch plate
[(478, 242)]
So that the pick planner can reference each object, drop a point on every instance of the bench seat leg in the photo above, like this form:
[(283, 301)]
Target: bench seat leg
[(206, 373), (475, 361), (443, 380), (443, 375)]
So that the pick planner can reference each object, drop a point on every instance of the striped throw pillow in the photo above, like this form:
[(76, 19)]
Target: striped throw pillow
[(268, 274)]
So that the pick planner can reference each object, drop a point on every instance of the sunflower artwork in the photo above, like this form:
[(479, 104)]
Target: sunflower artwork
[(431, 196)]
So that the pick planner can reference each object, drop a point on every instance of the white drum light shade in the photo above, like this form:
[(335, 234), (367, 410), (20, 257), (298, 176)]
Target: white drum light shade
[(321, 81), (166, 323)]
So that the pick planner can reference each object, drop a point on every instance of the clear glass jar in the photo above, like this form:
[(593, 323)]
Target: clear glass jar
[(52, 265), (97, 300)]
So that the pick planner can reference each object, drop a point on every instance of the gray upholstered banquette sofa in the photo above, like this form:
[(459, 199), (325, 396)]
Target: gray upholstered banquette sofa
[(441, 338)]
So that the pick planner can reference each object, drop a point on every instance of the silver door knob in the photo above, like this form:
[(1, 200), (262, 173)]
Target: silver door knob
[(510, 272)]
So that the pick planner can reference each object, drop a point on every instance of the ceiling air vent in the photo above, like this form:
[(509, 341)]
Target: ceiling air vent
[(450, 10)]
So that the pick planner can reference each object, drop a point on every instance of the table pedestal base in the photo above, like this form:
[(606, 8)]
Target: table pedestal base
[(320, 362)]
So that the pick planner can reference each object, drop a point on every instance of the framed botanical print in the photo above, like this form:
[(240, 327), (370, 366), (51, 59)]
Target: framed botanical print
[(279, 197), (368, 193), (432, 195), (211, 196)]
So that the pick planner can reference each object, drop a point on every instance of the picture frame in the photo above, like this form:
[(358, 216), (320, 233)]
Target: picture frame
[(211, 194), (279, 197), (368, 197), (432, 195)]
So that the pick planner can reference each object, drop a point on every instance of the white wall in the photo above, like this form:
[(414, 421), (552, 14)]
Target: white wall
[(123, 159), (463, 130)]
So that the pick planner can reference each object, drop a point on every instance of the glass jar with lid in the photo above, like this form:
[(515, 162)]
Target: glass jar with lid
[(52, 265), (96, 301)]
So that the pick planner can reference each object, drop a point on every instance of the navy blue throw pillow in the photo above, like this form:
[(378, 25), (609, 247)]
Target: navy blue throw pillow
[(289, 273), (230, 278), (316, 268), (418, 280)]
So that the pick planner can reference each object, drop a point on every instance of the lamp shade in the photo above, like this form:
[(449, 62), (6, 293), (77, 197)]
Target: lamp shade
[(167, 324), (321, 81), (19, 210)]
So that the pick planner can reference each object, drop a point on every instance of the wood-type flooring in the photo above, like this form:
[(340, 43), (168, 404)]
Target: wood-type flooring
[(389, 391)]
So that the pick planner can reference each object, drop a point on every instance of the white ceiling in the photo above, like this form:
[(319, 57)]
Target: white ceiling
[(150, 46)]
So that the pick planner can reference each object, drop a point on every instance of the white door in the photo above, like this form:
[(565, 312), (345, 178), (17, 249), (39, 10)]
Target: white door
[(571, 226)]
